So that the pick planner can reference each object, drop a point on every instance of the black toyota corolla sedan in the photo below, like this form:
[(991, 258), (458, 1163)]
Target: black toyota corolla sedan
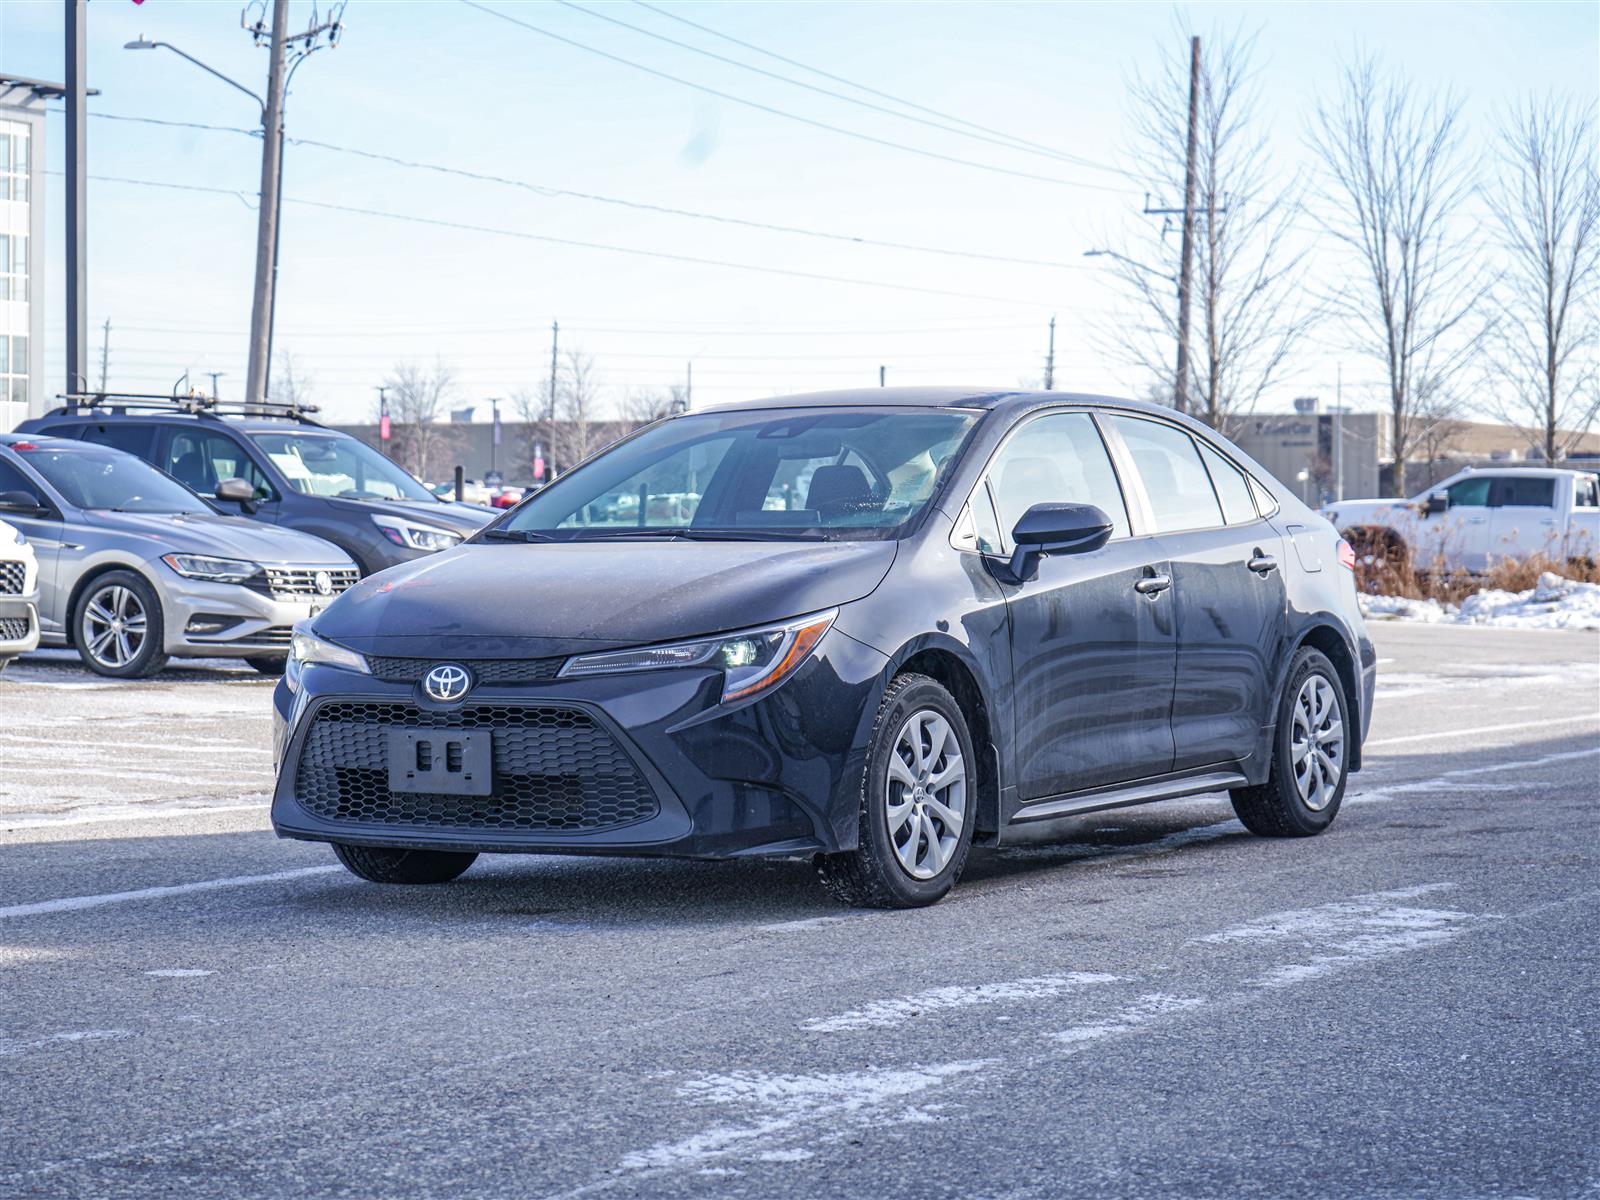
[(875, 628)]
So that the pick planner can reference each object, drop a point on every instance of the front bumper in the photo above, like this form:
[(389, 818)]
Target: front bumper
[(229, 620), (779, 776), (19, 624)]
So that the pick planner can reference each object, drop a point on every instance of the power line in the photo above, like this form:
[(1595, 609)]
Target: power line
[(667, 256), (638, 205), (1021, 142), (1008, 144), (779, 112)]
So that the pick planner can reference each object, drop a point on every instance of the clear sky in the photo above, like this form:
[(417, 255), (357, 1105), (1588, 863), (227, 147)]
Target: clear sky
[(440, 82)]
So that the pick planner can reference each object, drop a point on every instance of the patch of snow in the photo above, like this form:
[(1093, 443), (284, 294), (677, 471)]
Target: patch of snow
[(1553, 603), (179, 973), (886, 1014), (1140, 1013)]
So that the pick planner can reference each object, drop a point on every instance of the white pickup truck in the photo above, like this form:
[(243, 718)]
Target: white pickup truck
[(1478, 517)]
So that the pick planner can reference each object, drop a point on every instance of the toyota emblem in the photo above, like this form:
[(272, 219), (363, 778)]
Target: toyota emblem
[(324, 583), (447, 682)]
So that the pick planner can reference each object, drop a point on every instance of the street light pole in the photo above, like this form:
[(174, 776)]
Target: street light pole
[(77, 200)]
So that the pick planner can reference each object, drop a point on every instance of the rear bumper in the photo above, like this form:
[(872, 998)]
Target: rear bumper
[(780, 776)]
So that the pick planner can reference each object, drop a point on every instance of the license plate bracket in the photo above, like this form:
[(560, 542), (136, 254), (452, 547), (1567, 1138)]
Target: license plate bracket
[(444, 762)]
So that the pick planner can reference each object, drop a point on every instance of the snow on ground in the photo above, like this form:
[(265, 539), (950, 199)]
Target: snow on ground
[(1555, 603)]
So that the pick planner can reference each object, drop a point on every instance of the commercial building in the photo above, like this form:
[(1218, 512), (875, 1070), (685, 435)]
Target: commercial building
[(21, 246)]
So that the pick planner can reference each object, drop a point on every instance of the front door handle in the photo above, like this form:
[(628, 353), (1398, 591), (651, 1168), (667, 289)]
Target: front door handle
[(1474, 520), (1153, 585), (1262, 564)]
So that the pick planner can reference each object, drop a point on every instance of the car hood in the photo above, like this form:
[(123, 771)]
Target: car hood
[(465, 519), (546, 599), (225, 537)]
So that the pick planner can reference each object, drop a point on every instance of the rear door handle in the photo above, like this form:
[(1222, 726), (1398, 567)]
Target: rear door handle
[(1262, 564), (1153, 585)]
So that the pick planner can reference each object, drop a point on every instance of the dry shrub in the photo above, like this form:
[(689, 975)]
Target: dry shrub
[(1380, 571)]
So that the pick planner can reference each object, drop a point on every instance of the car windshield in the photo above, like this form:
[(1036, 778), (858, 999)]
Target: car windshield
[(320, 464), (99, 477), (856, 473)]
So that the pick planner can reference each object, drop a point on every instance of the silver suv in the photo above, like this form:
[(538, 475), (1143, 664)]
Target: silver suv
[(135, 568)]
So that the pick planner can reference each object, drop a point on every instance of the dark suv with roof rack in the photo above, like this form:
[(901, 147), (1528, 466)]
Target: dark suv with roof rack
[(301, 475)]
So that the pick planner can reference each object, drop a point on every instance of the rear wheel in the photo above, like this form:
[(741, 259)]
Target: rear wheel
[(118, 627), (385, 865), (1310, 759), (918, 802)]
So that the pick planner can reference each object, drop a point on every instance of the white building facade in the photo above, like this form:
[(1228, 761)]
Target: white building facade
[(21, 252)]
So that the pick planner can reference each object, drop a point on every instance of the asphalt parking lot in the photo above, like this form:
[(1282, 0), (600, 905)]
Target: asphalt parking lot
[(1141, 1003)]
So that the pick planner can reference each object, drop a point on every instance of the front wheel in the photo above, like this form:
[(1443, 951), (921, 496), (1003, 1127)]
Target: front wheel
[(118, 627), (269, 664), (1310, 757), (384, 865), (918, 802)]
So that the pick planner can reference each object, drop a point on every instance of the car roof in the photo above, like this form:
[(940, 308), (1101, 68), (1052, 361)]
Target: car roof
[(1529, 472), (932, 397), (247, 424)]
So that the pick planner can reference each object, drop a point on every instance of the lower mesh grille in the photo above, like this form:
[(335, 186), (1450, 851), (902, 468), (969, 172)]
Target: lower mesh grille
[(12, 576), (555, 770), (13, 629)]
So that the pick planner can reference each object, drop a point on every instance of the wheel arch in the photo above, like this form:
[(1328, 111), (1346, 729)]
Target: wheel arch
[(949, 668), (1325, 637)]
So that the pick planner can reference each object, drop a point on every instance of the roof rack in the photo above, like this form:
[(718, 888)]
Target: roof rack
[(194, 403)]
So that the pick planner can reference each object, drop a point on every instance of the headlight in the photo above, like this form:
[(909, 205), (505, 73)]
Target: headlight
[(217, 570), (752, 662), (306, 647), (415, 536)]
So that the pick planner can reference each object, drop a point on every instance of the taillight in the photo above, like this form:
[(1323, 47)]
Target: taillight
[(1347, 555)]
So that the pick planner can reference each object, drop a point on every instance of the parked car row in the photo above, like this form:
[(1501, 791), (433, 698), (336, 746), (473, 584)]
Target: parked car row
[(138, 530)]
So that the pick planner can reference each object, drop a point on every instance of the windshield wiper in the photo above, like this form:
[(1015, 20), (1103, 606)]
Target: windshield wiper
[(514, 535)]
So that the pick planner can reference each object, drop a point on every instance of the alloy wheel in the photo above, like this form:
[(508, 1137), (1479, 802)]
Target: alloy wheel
[(925, 799), (114, 626), (1316, 743)]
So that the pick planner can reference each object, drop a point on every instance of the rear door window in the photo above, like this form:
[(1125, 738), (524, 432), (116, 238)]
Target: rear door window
[(1175, 480), (130, 437), (1058, 458), (1512, 491)]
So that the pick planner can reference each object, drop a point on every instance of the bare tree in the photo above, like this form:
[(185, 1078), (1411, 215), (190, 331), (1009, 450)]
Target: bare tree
[(1543, 373), (291, 382), (417, 397), (576, 435), (1249, 306), (641, 406), (1398, 182)]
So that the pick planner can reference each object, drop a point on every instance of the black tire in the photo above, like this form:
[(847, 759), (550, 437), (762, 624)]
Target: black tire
[(1276, 808), (269, 664), (384, 865), (149, 657), (873, 874)]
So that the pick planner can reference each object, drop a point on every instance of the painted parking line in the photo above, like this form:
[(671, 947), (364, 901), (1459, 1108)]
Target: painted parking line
[(76, 903), (1542, 723)]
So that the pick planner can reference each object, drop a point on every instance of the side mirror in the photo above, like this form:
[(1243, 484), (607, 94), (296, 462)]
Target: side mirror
[(1438, 504), (23, 503), (240, 491), (1055, 529)]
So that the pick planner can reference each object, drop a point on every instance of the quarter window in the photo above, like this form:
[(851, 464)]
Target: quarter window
[(1232, 489), (1175, 480), (1054, 459), (132, 439)]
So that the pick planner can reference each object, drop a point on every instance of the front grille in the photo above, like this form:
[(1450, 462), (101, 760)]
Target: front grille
[(484, 670), (14, 629), (297, 582), (555, 770), (11, 576)]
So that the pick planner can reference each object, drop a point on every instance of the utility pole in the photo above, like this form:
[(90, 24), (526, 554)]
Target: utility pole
[(215, 390), (105, 353), (494, 436), (688, 384), (77, 199), (1180, 396), (1050, 359), (883, 374), (550, 403), (267, 223)]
